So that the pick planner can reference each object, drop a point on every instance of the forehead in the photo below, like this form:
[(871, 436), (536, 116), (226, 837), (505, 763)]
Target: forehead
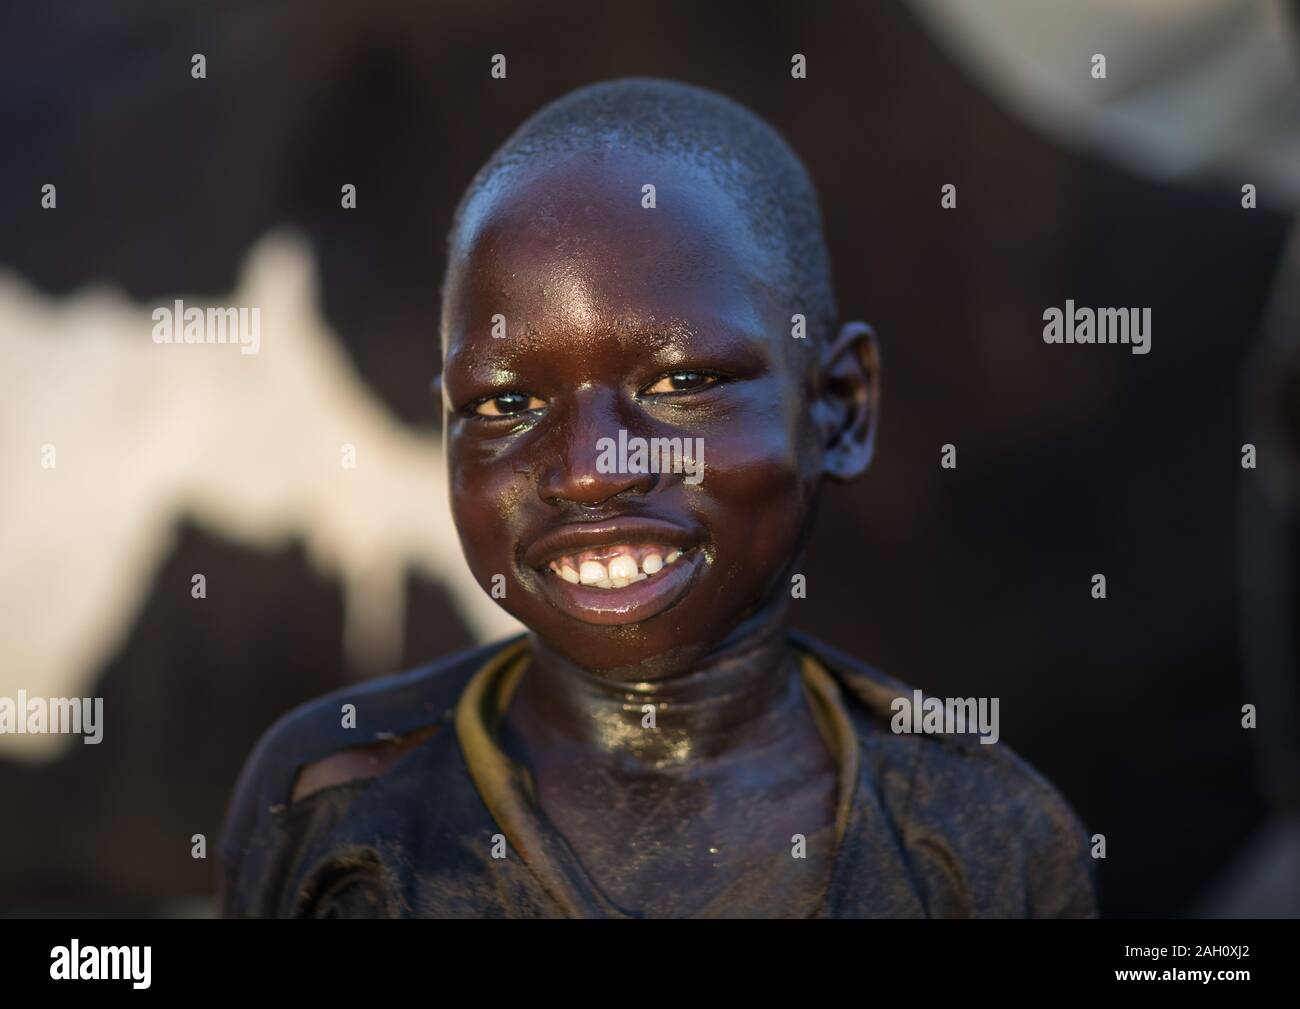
[(568, 241)]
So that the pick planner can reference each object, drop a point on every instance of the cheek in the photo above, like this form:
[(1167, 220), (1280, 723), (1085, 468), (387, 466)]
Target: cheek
[(486, 497), (757, 485), (761, 447)]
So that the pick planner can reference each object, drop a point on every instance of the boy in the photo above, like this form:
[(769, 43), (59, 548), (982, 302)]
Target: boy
[(627, 271)]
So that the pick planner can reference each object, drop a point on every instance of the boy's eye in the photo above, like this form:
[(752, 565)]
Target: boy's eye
[(681, 381), (508, 404)]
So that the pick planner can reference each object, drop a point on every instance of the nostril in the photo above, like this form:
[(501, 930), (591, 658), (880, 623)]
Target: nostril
[(592, 490)]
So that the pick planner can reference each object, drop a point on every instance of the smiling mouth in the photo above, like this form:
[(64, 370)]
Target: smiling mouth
[(619, 570), (617, 566)]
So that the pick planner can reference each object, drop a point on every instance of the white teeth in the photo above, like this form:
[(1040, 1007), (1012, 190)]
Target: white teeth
[(592, 573), (621, 571), (622, 568)]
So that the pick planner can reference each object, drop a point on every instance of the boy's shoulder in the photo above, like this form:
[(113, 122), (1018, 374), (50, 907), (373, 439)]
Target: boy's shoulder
[(356, 731), (958, 801), (958, 759)]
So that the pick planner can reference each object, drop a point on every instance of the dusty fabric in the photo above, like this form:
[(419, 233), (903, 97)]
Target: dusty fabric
[(927, 825)]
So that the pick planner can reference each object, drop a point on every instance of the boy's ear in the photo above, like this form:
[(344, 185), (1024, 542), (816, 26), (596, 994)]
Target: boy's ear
[(849, 400)]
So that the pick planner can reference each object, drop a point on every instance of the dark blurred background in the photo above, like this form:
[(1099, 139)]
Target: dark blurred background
[(1072, 460)]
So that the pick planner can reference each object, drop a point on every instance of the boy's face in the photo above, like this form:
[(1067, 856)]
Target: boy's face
[(659, 323)]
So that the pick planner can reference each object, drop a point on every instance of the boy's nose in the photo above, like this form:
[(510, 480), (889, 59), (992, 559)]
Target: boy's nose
[(574, 472)]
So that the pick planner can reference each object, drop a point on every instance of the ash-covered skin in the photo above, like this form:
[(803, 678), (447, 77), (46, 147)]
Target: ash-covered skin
[(665, 322)]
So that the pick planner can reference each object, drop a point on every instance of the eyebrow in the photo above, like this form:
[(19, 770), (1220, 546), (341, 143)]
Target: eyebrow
[(670, 332), (668, 340)]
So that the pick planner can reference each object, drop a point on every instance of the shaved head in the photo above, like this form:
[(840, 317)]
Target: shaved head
[(751, 161)]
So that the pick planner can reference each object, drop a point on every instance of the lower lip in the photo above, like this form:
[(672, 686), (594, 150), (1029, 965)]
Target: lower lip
[(630, 604)]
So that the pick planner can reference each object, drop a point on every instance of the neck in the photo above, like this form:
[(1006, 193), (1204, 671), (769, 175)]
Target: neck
[(737, 697)]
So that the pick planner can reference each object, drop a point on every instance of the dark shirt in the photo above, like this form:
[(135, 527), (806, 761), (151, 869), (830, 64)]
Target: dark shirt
[(927, 825)]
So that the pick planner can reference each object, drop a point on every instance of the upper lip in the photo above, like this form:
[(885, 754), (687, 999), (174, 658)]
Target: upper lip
[(574, 537)]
